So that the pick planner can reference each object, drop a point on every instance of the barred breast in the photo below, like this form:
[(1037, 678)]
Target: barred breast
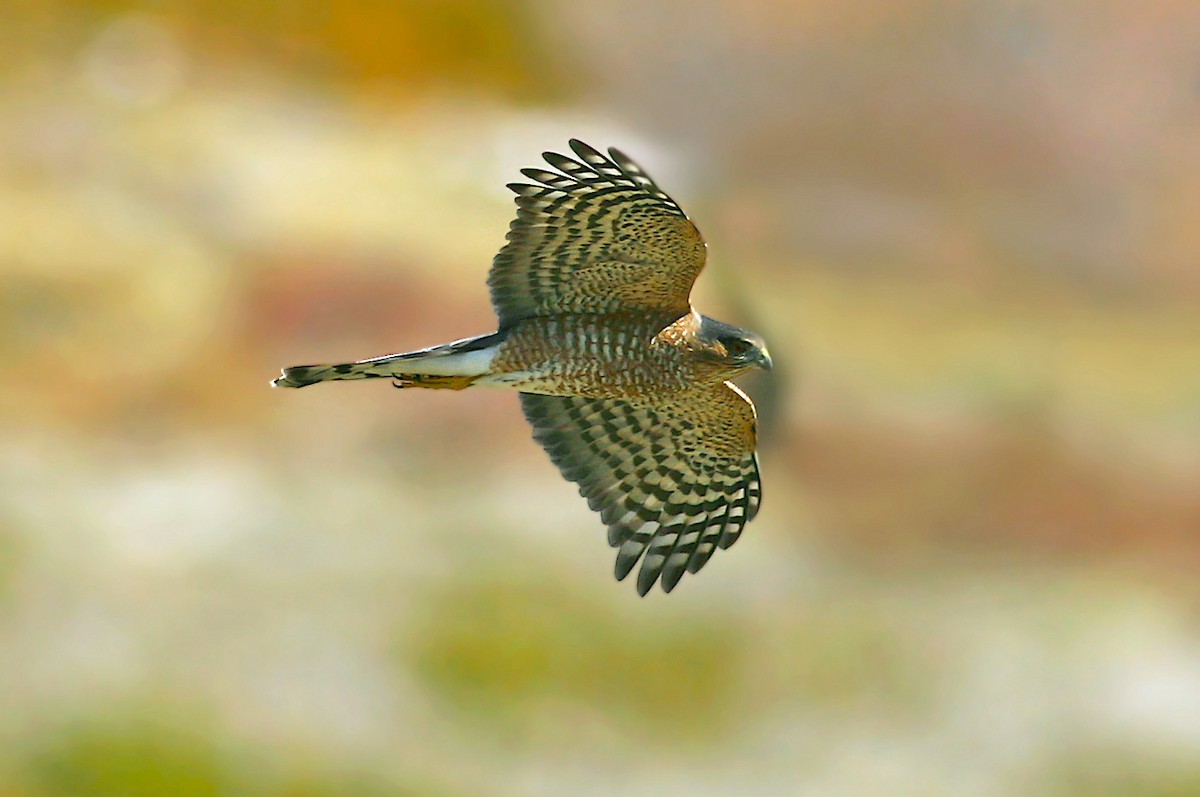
[(597, 356)]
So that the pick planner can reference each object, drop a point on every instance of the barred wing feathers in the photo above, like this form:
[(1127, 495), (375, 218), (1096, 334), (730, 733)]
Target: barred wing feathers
[(595, 236), (673, 482)]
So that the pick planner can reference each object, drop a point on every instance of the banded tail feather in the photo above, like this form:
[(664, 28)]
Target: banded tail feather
[(305, 375), (452, 365)]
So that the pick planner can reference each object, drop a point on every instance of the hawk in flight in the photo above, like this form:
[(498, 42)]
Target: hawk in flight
[(626, 385)]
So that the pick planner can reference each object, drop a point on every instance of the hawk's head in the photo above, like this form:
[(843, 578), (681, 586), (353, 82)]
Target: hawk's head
[(731, 348)]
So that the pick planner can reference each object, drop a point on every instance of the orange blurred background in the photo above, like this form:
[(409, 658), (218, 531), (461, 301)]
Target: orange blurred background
[(968, 230)]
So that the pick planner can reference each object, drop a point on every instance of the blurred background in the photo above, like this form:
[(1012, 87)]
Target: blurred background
[(969, 230)]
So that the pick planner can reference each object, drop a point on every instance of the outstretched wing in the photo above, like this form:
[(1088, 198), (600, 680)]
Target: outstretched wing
[(673, 482), (596, 236)]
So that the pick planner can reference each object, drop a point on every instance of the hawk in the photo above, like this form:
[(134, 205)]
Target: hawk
[(625, 384)]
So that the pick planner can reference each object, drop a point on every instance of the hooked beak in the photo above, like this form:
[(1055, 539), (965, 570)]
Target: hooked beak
[(763, 360)]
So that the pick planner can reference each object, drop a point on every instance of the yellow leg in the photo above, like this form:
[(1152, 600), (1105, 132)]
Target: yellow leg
[(435, 382)]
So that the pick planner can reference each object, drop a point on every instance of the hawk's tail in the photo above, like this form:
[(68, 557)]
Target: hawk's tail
[(454, 364)]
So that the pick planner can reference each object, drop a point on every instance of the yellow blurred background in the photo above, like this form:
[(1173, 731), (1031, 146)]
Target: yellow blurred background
[(970, 232)]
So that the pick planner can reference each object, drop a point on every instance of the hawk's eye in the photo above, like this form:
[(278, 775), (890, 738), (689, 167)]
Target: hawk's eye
[(737, 347)]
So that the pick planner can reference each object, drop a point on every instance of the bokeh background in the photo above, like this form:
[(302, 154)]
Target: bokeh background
[(969, 230)]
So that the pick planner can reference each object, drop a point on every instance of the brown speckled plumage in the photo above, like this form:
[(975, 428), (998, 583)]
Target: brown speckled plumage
[(626, 386)]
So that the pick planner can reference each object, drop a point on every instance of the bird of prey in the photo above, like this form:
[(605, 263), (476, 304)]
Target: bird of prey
[(625, 384)]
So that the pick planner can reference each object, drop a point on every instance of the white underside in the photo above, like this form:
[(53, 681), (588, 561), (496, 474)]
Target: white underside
[(468, 363), (471, 363)]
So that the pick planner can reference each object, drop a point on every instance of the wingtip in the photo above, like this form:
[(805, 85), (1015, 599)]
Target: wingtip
[(671, 576), (649, 574), (624, 566), (587, 153)]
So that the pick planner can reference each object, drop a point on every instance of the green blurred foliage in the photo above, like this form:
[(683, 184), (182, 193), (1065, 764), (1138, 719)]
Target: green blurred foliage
[(141, 759), (146, 756), (1116, 773), (497, 649)]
